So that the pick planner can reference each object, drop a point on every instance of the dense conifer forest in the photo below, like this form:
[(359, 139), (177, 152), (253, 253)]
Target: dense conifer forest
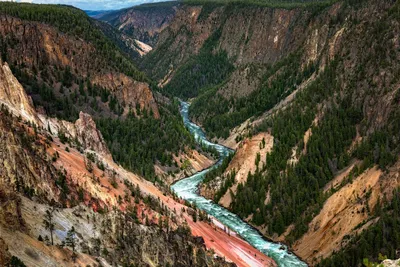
[(139, 143), (206, 69)]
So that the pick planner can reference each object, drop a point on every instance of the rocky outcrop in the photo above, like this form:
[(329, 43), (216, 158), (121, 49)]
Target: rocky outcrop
[(89, 136), (13, 95), (345, 213), (142, 48), (189, 163), (83, 132), (245, 161), (339, 217), (390, 263), (24, 164)]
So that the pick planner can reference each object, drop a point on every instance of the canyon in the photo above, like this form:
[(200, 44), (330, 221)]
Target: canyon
[(194, 133)]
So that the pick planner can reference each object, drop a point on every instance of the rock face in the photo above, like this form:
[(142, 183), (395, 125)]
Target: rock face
[(340, 215), (89, 136), (84, 131), (10, 211), (143, 48), (13, 95), (23, 165), (248, 35), (26, 165), (244, 161), (189, 163)]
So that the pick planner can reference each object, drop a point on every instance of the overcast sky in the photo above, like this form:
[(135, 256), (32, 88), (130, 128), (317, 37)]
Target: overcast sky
[(94, 4)]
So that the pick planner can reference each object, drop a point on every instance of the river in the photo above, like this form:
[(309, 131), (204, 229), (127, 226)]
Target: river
[(188, 189)]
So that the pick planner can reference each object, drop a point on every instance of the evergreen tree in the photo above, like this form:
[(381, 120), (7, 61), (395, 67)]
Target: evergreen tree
[(70, 240), (48, 223)]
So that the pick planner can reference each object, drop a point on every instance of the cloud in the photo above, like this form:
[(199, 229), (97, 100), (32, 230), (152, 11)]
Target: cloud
[(93, 4)]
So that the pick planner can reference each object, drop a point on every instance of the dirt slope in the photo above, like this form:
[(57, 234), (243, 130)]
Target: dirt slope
[(346, 213)]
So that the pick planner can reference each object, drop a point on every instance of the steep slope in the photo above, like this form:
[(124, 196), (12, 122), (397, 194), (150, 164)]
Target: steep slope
[(53, 60), (323, 81), (233, 47), (222, 186), (95, 211), (69, 69), (13, 95)]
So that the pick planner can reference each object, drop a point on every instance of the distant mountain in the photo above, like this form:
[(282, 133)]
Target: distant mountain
[(110, 4)]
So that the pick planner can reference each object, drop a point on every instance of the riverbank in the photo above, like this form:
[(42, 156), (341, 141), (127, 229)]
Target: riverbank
[(230, 247), (188, 189)]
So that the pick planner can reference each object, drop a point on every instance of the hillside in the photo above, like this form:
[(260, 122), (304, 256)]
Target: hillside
[(69, 67), (65, 202), (322, 80), (87, 154), (306, 92)]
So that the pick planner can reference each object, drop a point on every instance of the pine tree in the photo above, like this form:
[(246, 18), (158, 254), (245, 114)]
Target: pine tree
[(70, 240), (48, 223)]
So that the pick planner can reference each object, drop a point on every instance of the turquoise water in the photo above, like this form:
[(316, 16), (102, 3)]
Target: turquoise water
[(188, 188)]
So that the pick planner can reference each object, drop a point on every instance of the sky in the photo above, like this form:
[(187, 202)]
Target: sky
[(93, 4)]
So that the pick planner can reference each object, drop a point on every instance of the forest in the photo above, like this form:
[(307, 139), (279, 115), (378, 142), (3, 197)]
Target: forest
[(288, 4), (333, 113), (206, 69), (327, 152), (139, 143)]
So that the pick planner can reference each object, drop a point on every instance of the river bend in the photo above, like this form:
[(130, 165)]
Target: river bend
[(188, 189)]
